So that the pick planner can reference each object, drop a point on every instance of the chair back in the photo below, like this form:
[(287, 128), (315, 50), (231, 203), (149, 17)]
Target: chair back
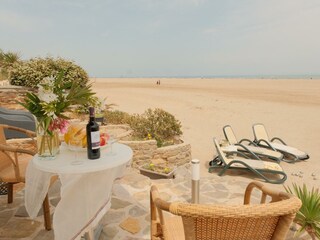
[(222, 156), (12, 163), (229, 135), (260, 132), (266, 221)]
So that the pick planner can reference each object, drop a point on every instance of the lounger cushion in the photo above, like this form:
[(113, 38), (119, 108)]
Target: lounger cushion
[(230, 148), (257, 150), (262, 151), (288, 149)]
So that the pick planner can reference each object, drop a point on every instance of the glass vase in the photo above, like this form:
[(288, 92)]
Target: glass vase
[(47, 143)]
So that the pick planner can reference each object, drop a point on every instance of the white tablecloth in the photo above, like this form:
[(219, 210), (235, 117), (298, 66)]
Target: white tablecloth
[(85, 190)]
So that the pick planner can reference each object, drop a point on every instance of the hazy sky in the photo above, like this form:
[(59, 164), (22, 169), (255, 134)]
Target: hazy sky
[(168, 37)]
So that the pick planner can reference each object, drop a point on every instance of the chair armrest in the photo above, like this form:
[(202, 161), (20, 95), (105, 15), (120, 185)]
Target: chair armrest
[(266, 191), (246, 149), (29, 133), (4, 147), (25, 131), (249, 141), (163, 205), (157, 205), (279, 139)]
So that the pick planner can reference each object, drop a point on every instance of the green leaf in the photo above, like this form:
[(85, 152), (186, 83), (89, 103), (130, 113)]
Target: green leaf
[(308, 216)]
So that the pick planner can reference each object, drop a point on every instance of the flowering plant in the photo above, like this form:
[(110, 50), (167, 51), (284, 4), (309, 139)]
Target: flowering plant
[(155, 168), (53, 99)]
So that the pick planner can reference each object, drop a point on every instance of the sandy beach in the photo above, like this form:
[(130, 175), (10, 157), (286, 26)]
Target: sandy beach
[(289, 109)]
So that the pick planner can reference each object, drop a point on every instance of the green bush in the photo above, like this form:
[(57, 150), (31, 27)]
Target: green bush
[(30, 73), (117, 117), (7, 60), (161, 125), (156, 124)]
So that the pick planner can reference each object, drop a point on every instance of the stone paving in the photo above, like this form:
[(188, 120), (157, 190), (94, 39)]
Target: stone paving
[(129, 215)]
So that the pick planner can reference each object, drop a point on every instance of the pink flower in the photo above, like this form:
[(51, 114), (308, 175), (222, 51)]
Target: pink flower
[(59, 123), (64, 126)]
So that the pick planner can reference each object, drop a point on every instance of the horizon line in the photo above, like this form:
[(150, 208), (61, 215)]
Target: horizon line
[(271, 76)]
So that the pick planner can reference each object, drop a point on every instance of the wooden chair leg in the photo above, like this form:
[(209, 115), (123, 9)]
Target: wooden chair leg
[(10, 192), (46, 213)]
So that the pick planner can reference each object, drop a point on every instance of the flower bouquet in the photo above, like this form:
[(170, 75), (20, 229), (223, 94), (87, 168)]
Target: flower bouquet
[(48, 105)]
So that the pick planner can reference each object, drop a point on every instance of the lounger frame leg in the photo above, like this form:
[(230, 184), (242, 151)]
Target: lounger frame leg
[(259, 172)]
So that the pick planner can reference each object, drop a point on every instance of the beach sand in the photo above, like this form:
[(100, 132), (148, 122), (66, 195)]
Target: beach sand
[(289, 109)]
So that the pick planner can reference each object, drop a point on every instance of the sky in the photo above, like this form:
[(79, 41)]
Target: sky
[(150, 38)]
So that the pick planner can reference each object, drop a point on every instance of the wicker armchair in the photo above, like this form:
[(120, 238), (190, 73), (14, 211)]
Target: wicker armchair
[(13, 166), (234, 222)]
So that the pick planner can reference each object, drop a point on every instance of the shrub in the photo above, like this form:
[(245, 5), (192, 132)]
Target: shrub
[(161, 125), (7, 60), (117, 117), (157, 124), (30, 73)]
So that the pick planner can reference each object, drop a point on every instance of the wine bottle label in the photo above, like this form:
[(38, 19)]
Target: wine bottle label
[(95, 140)]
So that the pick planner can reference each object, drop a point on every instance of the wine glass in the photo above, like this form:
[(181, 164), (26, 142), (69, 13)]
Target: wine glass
[(111, 141), (75, 145)]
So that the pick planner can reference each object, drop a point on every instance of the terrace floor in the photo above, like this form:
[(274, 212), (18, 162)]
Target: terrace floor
[(130, 200)]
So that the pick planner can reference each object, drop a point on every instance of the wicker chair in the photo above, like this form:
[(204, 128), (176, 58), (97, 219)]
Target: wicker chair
[(234, 222), (13, 166)]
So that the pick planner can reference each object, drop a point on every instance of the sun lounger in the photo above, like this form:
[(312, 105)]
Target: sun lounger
[(262, 139), (238, 160), (262, 152)]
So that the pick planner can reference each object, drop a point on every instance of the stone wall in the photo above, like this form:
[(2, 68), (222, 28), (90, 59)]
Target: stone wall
[(145, 152), (174, 155)]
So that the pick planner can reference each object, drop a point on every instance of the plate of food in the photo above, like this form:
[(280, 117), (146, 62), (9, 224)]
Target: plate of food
[(76, 138)]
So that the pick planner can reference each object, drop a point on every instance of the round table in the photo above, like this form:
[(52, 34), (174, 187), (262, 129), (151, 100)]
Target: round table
[(85, 188), (63, 161)]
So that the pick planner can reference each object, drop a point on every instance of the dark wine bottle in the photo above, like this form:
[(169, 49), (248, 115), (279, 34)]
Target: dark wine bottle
[(93, 136)]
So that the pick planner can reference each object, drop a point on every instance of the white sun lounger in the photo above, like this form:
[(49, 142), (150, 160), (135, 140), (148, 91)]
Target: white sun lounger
[(262, 139), (262, 169), (252, 147)]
